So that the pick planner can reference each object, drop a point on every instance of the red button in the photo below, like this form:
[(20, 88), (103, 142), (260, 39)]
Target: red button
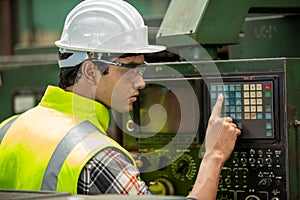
[(267, 86)]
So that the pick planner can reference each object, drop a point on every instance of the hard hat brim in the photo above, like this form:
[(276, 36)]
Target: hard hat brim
[(146, 49), (149, 49)]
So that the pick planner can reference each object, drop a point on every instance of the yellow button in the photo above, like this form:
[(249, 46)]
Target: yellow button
[(253, 115), (259, 101), (246, 101), (258, 86), (247, 116), (253, 108), (246, 108), (252, 94), (246, 86), (252, 87), (259, 109), (259, 94), (246, 94), (253, 101)]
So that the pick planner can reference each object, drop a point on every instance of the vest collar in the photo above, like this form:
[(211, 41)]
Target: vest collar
[(79, 107)]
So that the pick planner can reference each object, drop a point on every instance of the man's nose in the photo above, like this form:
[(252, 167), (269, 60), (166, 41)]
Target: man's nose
[(140, 83)]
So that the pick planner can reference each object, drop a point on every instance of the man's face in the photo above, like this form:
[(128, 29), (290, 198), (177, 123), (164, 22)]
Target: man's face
[(120, 87)]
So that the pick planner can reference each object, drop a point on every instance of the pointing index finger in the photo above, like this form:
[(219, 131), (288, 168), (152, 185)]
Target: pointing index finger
[(216, 112)]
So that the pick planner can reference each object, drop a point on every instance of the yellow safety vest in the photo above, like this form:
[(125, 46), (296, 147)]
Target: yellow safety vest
[(47, 147)]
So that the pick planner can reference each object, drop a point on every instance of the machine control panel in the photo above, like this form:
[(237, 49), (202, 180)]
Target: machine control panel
[(255, 173), (250, 104), (257, 168)]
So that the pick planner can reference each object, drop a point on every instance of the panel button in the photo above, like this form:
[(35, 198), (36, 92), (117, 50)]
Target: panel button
[(267, 94), (259, 109), (268, 116), (253, 115), (268, 108), (238, 115), (259, 116), (252, 87), (213, 88), (253, 101), (238, 102), (269, 133), (259, 101), (247, 108), (247, 115), (225, 87), (269, 126), (258, 86), (267, 86), (259, 94)]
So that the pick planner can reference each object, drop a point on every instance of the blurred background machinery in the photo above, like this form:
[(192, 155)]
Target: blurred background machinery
[(28, 57), (247, 50)]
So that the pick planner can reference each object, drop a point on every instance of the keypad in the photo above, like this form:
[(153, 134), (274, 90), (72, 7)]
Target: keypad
[(249, 104)]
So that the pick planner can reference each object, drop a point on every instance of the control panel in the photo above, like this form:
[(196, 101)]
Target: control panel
[(257, 168), (250, 104), (254, 174)]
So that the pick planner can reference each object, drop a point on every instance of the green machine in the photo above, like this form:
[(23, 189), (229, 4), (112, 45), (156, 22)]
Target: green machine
[(260, 81), (259, 77), (23, 80)]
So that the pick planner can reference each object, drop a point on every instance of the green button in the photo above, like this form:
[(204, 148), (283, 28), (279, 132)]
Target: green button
[(267, 94), (269, 133)]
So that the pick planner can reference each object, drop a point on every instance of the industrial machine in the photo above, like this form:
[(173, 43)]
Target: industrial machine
[(166, 129), (259, 76), (264, 163), (23, 80)]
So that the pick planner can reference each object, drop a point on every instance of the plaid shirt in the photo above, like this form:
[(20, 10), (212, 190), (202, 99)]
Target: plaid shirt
[(111, 172)]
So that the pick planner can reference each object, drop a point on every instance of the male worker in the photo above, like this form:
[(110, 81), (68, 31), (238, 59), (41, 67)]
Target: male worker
[(61, 144)]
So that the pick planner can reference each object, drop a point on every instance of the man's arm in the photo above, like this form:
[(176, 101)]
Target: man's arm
[(221, 135), (110, 172)]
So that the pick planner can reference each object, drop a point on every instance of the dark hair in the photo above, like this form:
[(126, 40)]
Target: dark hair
[(68, 76)]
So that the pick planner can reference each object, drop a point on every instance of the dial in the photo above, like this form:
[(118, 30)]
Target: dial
[(184, 168), (252, 197), (162, 186)]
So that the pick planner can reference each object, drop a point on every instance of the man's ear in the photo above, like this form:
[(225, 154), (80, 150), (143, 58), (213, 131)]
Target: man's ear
[(89, 72)]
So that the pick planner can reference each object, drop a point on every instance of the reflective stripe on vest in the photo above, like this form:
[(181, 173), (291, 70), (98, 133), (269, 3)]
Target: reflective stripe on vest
[(4, 129), (70, 140)]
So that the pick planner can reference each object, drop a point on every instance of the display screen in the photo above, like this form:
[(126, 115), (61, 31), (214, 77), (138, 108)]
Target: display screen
[(169, 107)]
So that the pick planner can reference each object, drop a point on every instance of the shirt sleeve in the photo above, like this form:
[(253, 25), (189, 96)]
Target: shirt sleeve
[(111, 172)]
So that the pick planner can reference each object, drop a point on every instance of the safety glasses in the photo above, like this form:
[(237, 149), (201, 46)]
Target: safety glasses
[(140, 68)]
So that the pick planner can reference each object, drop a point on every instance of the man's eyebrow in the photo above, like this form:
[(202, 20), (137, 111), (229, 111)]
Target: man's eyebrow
[(133, 63)]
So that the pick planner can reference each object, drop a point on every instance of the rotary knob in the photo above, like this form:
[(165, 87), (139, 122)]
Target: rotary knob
[(184, 168), (162, 186), (252, 197)]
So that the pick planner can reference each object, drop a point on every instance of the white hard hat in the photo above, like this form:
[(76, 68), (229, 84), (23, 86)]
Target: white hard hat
[(108, 26)]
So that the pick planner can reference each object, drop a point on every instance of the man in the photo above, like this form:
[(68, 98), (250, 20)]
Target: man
[(61, 144)]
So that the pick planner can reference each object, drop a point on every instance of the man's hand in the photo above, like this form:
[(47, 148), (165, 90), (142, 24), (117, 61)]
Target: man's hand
[(221, 133)]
